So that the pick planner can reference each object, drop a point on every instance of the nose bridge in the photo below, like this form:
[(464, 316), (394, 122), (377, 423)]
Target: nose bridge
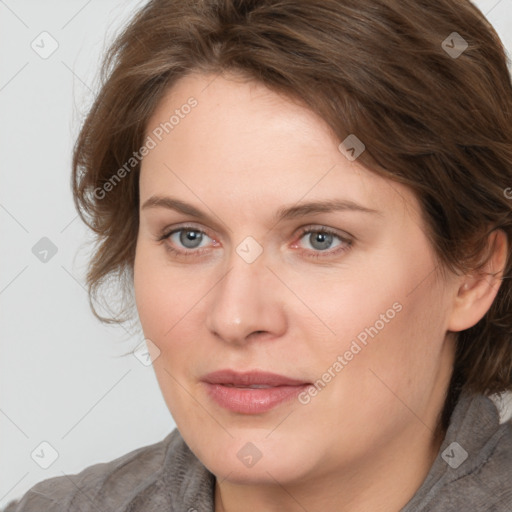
[(244, 301)]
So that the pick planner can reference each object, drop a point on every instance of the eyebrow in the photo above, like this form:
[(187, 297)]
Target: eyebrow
[(285, 213)]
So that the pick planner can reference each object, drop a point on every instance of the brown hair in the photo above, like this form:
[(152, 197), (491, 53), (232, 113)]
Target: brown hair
[(433, 114)]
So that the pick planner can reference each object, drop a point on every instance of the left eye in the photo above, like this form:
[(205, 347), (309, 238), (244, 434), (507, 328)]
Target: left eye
[(320, 239)]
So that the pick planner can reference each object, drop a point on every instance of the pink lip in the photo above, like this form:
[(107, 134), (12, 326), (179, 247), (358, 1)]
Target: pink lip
[(222, 387)]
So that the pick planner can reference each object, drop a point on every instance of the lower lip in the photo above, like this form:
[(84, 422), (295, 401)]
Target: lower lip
[(252, 400)]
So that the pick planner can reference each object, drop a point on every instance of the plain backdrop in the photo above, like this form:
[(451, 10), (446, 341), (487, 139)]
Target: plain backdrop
[(68, 398)]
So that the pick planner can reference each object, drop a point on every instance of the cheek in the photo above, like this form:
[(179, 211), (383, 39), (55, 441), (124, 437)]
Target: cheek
[(351, 306), (389, 319), (390, 340), (163, 295), (164, 299)]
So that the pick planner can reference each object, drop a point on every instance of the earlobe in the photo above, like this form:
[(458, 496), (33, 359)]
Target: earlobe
[(476, 292)]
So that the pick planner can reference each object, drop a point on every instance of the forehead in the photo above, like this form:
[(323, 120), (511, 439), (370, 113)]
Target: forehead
[(245, 141)]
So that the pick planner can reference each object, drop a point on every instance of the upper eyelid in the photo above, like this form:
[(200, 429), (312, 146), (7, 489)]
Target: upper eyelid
[(168, 232)]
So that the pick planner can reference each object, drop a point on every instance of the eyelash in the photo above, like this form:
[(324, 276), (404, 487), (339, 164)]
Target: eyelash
[(315, 254)]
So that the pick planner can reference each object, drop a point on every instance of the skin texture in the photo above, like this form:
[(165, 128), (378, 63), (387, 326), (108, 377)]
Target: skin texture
[(366, 440)]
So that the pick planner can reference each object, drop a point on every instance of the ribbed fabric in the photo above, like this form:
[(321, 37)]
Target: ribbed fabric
[(167, 477), (483, 482)]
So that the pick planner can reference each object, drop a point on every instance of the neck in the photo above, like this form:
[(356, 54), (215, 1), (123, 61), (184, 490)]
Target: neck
[(385, 483)]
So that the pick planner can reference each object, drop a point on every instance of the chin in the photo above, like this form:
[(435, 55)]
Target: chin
[(246, 461)]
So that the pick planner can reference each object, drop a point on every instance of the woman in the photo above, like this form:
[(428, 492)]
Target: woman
[(311, 203)]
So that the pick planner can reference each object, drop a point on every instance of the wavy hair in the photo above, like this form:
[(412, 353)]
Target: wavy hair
[(424, 83)]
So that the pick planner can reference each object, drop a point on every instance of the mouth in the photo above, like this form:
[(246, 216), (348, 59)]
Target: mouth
[(254, 379), (251, 392), (254, 386)]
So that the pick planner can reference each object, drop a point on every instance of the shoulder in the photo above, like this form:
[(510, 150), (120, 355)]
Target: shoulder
[(473, 470), (486, 485), (103, 486)]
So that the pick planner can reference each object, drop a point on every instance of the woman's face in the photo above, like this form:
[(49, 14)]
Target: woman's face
[(253, 279)]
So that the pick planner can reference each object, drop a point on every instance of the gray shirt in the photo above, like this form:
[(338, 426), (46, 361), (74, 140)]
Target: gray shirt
[(472, 472)]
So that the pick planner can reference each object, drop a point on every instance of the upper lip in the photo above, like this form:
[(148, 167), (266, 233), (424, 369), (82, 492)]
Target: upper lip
[(250, 378)]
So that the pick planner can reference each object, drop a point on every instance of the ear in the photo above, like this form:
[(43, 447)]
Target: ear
[(475, 293)]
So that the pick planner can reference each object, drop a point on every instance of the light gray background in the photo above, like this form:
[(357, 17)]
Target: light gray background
[(62, 378)]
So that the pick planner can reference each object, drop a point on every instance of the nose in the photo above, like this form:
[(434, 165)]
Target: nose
[(247, 303)]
